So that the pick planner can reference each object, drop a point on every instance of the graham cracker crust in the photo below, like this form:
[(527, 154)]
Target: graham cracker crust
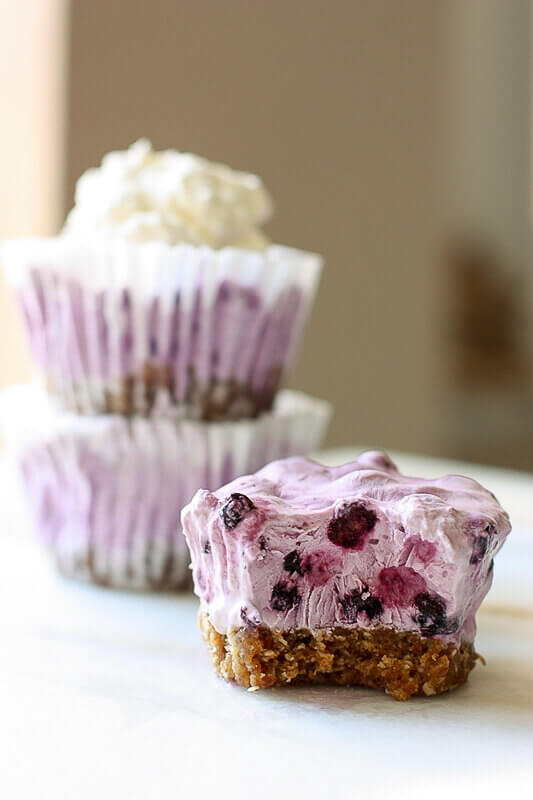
[(403, 664)]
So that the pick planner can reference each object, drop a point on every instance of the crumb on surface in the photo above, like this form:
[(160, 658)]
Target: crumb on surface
[(404, 664)]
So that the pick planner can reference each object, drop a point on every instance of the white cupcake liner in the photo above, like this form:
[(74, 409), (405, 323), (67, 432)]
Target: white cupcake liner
[(106, 492), (140, 327)]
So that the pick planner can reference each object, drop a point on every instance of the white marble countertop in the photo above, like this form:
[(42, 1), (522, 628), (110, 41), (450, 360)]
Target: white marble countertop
[(110, 695)]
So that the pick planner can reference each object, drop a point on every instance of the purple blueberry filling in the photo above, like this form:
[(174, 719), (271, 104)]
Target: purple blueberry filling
[(359, 544)]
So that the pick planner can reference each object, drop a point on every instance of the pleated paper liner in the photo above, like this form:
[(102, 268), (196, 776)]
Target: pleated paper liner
[(141, 328), (106, 492)]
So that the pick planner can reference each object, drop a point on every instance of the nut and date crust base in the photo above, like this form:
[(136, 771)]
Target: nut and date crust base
[(402, 663)]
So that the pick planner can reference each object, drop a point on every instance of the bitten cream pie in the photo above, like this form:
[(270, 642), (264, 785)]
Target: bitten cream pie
[(350, 575)]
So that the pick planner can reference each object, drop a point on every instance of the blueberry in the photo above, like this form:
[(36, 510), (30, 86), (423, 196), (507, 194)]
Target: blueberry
[(351, 605), (431, 605), (356, 602), (235, 509), (292, 563), (207, 547), (351, 526), (421, 548), (432, 618), (284, 597), (372, 607), (397, 586)]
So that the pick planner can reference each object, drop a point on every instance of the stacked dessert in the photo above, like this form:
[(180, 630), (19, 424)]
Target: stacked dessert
[(162, 322)]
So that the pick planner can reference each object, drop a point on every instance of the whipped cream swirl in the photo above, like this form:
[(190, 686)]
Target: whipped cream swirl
[(143, 195)]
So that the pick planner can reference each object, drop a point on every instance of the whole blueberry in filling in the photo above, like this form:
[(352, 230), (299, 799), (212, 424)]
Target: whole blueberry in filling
[(235, 509), (292, 563), (397, 586), (351, 525), (284, 597), (356, 602), (432, 618)]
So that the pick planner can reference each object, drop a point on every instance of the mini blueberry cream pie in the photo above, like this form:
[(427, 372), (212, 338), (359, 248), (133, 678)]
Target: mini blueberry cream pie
[(349, 575), (161, 295), (104, 493)]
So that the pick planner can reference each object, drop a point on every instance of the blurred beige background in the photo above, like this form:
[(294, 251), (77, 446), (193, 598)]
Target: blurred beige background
[(387, 131)]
